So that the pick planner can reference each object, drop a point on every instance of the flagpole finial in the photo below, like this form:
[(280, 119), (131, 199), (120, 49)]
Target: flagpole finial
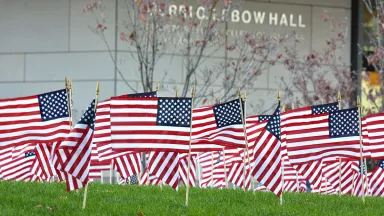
[(98, 88), (177, 94), (193, 92), (245, 95), (283, 108), (338, 97), (322, 101), (66, 83), (238, 91), (278, 94), (358, 101), (218, 100), (157, 86), (293, 106)]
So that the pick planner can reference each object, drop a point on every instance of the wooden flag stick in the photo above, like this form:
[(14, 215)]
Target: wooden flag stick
[(96, 101), (68, 92), (111, 171), (282, 162), (361, 150), (339, 104), (189, 151), (296, 172), (243, 117), (225, 170)]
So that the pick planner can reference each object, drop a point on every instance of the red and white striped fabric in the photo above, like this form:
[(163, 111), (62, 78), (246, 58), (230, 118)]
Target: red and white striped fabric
[(219, 124), (97, 166), (267, 160), (102, 134), (183, 169), (141, 124), (255, 125), (42, 165), (315, 137), (19, 167), (376, 181), (5, 158), (152, 180), (339, 172), (34, 119), (375, 128), (128, 164), (165, 165), (366, 144), (325, 187), (262, 188), (207, 161), (293, 182), (358, 187)]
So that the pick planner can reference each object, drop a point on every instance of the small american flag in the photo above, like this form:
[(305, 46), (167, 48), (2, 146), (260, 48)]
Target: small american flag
[(18, 168), (183, 169), (150, 124), (133, 180), (324, 136), (227, 129), (128, 164), (267, 163), (74, 153)]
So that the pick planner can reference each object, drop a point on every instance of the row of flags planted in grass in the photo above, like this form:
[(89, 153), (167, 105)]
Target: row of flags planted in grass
[(321, 144)]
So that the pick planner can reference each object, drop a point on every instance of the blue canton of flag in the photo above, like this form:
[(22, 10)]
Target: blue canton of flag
[(227, 113), (344, 123), (144, 94), (53, 105), (263, 118), (134, 180), (174, 112), (381, 165), (218, 158), (273, 125), (30, 154), (89, 116), (325, 108)]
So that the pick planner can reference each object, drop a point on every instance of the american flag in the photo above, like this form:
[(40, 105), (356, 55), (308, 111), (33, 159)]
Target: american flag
[(374, 129), (183, 169), (74, 153), (34, 119), (324, 136), (267, 163), (128, 164), (150, 124), (292, 180), (102, 134), (311, 171), (78, 162), (376, 180), (222, 125), (97, 166)]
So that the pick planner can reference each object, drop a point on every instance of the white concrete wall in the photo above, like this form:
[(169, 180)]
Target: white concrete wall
[(42, 41)]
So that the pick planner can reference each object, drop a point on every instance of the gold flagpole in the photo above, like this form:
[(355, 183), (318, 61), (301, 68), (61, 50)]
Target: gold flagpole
[(69, 92), (189, 151), (282, 159), (339, 104), (282, 162), (297, 175), (96, 101), (361, 150), (225, 170), (243, 116)]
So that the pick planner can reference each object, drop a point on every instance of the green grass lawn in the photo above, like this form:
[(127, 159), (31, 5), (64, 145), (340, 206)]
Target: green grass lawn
[(19, 198)]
